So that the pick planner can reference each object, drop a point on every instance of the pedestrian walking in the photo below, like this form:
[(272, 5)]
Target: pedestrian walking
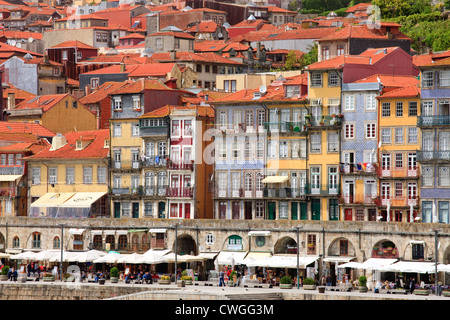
[(221, 278)]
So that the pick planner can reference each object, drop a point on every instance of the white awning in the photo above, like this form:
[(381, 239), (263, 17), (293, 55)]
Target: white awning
[(338, 259), (259, 233), (410, 266), (288, 261), (208, 255), (352, 264), (417, 242), (444, 267), (275, 179), (228, 257), (157, 230), (254, 258), (77, 232), (96, 232), (52, 199), (376, 263), (83, 199), (10, 177)]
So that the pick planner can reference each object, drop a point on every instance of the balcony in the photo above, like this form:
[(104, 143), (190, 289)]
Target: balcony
[(180, 166), (239, 128), (285, 192), (322, 190), (350, 169), (285, 127), (125, 165), (7, 192), (238, 193), (160, 161), (322, 121), (398, 173), (424, 156), (185, 192), (400, 202), (359, 199), (159, 191), (425, 121)]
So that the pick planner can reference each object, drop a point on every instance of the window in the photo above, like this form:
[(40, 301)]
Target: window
[(135, 129), (349, 103), (175, 127), (427, 79), (259, 209), (18, 161), (371, 102), (70, 175), (386, 135), (333, 79), (284, 208), (386, 109), (340, 50), (36, 176), (444, 78), (162, 149), (333, 142), (444, 177), (148, 209), (53, 175), (371, 132), (236, 148), (412, 190), (36, 243), (412, 109), (177, 43), (117, 103), (427, 176), (64, 55), (311, 244), (349, 131), (399, 160), (260, 240), (343, 247), (316, 142), (325, 53), (209, 239), (87, 175), (16, 242), (136, 103), (399, 109), (283, 149), (385, 190), (117, 130), (427, 108), (187, 130), (101, 174), (94, 83), (412, 135), (417, 251), (56, 243), (126, 209), (399, 136), (316, 79)]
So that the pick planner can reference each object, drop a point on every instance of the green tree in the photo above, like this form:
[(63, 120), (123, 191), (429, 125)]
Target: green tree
[(311, 56), (293, 61), (396, 8)]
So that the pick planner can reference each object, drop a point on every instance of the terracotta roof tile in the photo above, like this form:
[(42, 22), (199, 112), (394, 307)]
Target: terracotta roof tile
[(82, 17), (440, 62), (73, 44), (404, 92), (113, 69), (101, 92), (391, 80), (176, 34), (129, 87), (94, 150), (25, 128), (152, 69), (45, 102)]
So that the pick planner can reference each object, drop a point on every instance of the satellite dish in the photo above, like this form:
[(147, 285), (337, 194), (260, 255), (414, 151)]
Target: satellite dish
[(18, 45), (30, 40), (263, 89), (12, 42), (220, 35)]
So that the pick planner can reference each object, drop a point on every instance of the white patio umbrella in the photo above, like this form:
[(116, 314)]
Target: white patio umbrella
[(87, 256), (155, 256), (111, 257), (351, 264), (4, 255), (57, 257), (46, 255), (183, 258), (133, 258), (26, 255)]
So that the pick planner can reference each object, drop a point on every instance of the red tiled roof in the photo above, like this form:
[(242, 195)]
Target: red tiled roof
[(207, 26), (391, 80), (312, 33), (404, 92), (18, 137), (73, 44), (114, 69), (82, 17), (440, 62), (94, 150), (20, 34), (45, 102), (118, 58), (257, 23), (6, 48), (358, 7), (338, 62), (133, 36), (101, 92), (279, 10), (214, 45), (175, 34), (17, 147), (166, 111), (190, 56), (139, 86), (152, 69), (23, 127), (359, 31), (423, 59), (40, 61), (18, 93)]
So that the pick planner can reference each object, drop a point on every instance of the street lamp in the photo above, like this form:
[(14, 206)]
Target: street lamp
[(298, 259), (435, 259), (62, 249), (176, 253)]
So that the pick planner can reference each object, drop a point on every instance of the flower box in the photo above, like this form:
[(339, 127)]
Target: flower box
[(309, 286), (421, 292)]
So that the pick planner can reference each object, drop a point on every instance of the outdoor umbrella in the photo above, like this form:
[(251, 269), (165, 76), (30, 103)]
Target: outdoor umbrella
[(26, 255), (87, 256), (154, 256), (351, 264), (57, 256), (46, 255), (4, 255), (108, 258), (182, 258), (133, 258)]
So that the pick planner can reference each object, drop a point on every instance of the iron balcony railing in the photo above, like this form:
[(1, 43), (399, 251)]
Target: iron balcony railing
[(177, 192), (423, 121), (153, 161), (285, 127), (383, 172), (322, 189), (423, 156), (357, 199), (180, 166), (126, 165)]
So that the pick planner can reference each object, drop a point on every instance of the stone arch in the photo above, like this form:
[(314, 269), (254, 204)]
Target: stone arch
[(384, 248), (185, 245), (341, 246), (285, 245), (2, 242)]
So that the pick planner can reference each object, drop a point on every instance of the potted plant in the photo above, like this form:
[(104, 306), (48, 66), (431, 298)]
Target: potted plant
[(309, 284), (4, 273), (101, 281), (164, 280), (48, 277), (286, 282), (446, 293), (114, 275), (187, 280), (363, 284), (421, 292)]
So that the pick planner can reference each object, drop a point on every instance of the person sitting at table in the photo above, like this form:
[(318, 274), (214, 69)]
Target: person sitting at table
[(12, 274), (148, 278), (128, 278)]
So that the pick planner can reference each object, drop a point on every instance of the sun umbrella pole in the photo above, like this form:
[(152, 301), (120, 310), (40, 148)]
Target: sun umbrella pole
[(62, 249)]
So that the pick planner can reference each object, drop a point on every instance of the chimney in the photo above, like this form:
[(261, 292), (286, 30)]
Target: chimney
[(122, 67), (173, 55), (58, 141), (88, 89), (11, 101), (389, 35)]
